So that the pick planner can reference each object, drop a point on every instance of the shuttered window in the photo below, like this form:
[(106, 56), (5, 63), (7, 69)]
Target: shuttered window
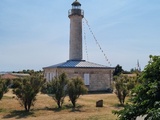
[(86, 79), (48, 76)]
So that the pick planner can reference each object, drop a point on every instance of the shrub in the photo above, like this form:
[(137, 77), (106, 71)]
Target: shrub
[(27, 89), (57, 87), (146, 96), (3, 87), (123, 85), (75, 88)]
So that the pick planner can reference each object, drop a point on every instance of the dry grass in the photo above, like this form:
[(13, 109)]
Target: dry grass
[(45, 108)]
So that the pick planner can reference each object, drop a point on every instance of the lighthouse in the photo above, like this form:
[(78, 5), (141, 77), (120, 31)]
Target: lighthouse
[(96, 77), (75, 15)]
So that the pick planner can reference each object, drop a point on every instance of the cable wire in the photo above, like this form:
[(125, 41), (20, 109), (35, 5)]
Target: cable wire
[(106, 58)]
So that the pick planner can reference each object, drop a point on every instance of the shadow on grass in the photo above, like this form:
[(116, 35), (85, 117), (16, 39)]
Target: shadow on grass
[(76, 109), (56, 109), (18, 114), (65, 107), (23, 114), (2, 110)]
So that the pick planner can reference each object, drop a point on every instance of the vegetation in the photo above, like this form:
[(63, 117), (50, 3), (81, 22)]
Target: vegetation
[(123, 85), (61, 86), (57, 87), (146, 96), (3, 87), (31, 72), (27, 89), (43, 109), (118, 70), (144, 101), (75, 88)]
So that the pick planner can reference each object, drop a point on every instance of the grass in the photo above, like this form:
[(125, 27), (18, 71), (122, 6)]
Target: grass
[(45, 108)]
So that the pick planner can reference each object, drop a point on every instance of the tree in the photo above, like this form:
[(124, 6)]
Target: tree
[(75, 88), (57, 87), (3, 88), (27, 89), (146, 96), (118, 70), (44, 88), (123, 84), (135, 71)]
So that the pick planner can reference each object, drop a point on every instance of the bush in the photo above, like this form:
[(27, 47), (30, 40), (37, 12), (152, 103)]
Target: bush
[(123, 85), (3, 87), (57, 87), (27, 89), (76, 88), (146, 96)]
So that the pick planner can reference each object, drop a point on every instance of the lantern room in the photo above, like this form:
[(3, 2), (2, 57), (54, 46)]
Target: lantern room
[(76, 9), (76, 5)]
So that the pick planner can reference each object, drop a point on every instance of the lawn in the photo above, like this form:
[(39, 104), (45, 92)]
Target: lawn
[(45, 108)]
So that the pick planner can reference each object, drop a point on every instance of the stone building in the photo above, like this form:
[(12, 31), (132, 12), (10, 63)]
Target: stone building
[(96, 77)]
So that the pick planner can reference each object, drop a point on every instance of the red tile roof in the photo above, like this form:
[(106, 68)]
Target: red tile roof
[(8, 76)]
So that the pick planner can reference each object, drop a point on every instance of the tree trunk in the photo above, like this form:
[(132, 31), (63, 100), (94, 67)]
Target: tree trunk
[(59, 104), (74, 103), (29, 105), (25, 106)]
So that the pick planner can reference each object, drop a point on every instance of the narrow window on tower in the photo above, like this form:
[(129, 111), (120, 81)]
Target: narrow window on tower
[(86, 79)]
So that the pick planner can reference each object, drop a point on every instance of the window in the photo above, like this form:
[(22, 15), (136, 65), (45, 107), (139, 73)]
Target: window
[(51, 76), (86, 79), (48, 76)]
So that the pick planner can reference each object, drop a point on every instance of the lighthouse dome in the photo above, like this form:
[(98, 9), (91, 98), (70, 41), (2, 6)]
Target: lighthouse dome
[(76, 3)]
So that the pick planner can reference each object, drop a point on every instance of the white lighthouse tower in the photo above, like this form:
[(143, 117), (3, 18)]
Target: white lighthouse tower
[(76, 15)]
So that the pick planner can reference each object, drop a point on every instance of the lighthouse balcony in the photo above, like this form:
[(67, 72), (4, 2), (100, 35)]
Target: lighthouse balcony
[(79, 12)]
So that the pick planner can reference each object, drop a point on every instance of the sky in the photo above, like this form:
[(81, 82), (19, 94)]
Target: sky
[(35, 33)]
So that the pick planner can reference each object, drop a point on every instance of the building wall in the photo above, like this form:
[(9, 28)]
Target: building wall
[(95, 79)]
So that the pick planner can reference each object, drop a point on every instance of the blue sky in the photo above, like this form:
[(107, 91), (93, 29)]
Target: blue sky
[(35, 33)]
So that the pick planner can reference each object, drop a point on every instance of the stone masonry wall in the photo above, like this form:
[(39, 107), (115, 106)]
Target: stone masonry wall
[(100, 79)]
